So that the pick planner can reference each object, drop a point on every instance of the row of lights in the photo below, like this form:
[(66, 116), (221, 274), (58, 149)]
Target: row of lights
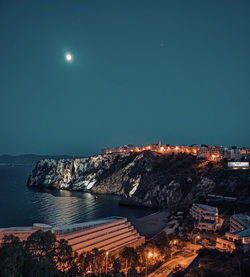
[(162, 149)]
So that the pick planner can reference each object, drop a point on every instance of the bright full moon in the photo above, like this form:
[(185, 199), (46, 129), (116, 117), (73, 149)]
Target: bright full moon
[(68, 57)]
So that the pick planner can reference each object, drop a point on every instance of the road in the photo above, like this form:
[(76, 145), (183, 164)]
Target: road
[(166, 268)]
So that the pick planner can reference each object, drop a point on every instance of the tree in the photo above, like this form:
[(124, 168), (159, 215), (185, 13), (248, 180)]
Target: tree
[(85, 261), (132, 272), (11, 257), (41, 243), (40, 255), (162, 243), (63, 255), (205, 242), (117, 268), (129, 257), (99, 261), (40, 249)]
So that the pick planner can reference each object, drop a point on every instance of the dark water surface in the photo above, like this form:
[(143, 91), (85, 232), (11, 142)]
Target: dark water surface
[(22, 206)]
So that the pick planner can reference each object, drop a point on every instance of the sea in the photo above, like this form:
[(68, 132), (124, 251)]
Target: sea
[(23, 206)]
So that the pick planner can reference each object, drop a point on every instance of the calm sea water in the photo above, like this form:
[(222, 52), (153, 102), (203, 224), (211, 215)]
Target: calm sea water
[(22, 206)]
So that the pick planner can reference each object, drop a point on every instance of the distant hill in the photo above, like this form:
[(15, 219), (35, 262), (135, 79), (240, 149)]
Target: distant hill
[(28, 159)]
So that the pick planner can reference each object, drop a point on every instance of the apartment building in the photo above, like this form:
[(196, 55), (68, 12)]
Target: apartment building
[(224, 244), (207, 216), (209, 152), (206, 225), (109, 234), (239, 222), (201, 211), (239, 230)]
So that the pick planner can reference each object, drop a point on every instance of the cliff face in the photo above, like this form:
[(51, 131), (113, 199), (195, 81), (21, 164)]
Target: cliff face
[(142, 179)]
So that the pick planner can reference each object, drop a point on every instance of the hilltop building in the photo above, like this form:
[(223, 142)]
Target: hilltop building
[(238, 165), (211, 153), (164, 149), (109, 234)]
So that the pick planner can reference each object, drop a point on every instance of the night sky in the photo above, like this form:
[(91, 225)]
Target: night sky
[(141, 71)]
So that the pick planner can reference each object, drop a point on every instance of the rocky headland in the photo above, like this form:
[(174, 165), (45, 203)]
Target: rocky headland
[(143, 179)]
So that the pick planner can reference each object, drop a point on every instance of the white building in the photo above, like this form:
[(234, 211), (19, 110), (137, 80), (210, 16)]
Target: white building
[(238, 165), (234, 153)]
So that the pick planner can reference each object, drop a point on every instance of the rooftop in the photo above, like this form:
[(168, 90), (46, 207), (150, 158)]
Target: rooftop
[(245, 219), (63, 229), (16, 229), (207, 208), (207, 221), (244, 233), (69, 228)]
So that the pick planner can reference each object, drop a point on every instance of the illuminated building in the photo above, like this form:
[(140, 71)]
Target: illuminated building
[(238, 165), (163, 149), (109, 234), (224, 244), (212, 153)]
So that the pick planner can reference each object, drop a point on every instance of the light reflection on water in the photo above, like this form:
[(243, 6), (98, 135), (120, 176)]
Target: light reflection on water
[(21, 206)]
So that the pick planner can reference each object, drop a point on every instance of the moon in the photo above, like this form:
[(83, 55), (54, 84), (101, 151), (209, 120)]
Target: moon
[(68, 57)]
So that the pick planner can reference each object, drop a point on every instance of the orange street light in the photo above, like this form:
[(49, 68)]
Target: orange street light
[(150, 254), (107, 254), (197, 237)]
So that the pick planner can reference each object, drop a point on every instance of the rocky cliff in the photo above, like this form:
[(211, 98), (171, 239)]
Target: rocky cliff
[(143, 179)]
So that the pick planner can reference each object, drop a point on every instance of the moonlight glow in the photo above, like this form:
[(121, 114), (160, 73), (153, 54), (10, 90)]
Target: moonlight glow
[(68, 57)]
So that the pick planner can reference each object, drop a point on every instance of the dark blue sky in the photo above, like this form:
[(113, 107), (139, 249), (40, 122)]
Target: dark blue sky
[(178, 71)]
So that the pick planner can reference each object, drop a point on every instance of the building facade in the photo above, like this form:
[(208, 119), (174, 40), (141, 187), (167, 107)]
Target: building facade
[(207, 216), (211, 153), (109, 234), (223, 244), (239, 231)]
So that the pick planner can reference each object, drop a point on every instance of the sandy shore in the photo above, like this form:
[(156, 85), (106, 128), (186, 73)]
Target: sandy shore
[(152, 224)]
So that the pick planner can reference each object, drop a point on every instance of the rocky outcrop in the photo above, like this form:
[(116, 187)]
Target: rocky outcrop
[(142, 179)]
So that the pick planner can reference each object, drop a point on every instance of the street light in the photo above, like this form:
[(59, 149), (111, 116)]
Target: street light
[(197, 237), (150, 254), (107, 255), (174, 242)]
